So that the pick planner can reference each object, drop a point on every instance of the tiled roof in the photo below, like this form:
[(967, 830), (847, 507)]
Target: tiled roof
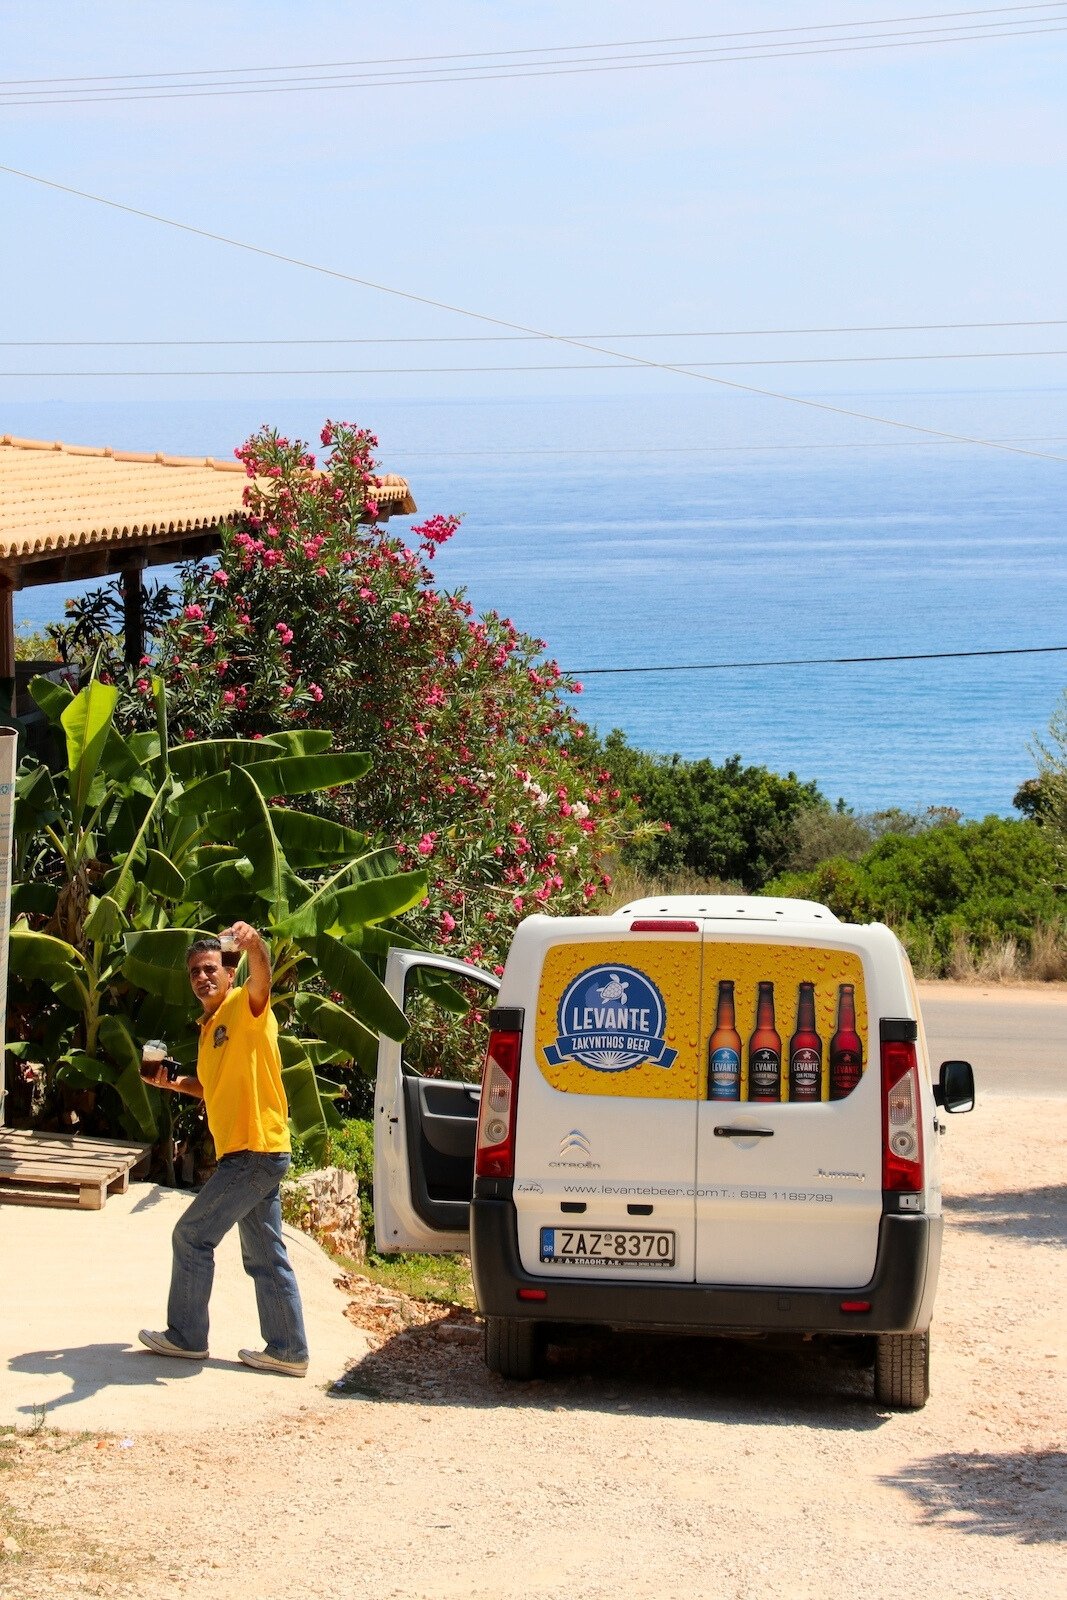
[(73, 499)]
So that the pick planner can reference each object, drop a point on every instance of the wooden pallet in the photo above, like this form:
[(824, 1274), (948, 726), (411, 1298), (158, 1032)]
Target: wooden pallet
[(57, 1169)]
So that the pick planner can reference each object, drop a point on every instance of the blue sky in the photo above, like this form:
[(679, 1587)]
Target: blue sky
[(860, 187)]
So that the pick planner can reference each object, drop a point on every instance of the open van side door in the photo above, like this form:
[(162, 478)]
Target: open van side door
[(426, 1103)]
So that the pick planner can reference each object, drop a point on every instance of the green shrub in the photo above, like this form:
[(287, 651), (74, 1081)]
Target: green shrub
[(726, 822), (980, 882)]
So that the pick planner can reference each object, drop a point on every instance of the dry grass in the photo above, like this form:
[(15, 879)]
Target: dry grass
[(1005, 960), (629, 884)]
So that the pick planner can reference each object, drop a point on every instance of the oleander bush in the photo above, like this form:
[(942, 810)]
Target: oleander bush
[(316, 617)]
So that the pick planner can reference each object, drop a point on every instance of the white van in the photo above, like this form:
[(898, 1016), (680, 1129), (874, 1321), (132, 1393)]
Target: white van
[(696, 1115)]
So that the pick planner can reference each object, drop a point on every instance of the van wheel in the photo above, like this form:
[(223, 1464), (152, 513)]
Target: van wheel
[(512, 1347), (902, 1371)]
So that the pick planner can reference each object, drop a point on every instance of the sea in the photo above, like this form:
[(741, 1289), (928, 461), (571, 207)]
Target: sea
[(718, 571)]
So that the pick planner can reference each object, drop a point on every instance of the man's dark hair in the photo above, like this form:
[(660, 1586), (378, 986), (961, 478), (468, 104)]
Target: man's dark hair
[(201, 947)]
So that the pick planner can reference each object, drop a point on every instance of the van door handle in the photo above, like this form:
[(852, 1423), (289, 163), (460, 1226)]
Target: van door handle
[(744, 1133)]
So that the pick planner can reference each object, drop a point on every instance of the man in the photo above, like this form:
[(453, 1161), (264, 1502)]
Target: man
[(238, 1076)]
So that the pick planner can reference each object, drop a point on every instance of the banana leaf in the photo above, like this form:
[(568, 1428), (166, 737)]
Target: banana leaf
[(54, 961), (34, 899), (118, 1041), (340, 1029), (86, 721), (162, 877), (155, 960), (343, 970), (379, 899), (106, 920), (53, 698), (202, 758), (314, 841), (309, 1117), (301, 741)]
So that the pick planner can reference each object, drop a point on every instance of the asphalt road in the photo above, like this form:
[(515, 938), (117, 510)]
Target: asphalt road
[(1016, 1042)]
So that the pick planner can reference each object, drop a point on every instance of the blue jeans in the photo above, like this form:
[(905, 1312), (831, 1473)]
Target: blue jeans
[(243, 1189)]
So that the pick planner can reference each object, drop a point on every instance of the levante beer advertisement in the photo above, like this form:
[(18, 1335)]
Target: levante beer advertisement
[(660, 1019)]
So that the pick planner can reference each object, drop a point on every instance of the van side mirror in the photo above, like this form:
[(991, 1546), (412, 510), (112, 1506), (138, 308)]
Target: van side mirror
[(955, 1087)]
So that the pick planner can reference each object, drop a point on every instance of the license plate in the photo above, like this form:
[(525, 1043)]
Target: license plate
[(607, 1247)]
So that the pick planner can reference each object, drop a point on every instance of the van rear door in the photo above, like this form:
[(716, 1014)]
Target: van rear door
[(788, 1190), (426, 1103), (605, 1141)]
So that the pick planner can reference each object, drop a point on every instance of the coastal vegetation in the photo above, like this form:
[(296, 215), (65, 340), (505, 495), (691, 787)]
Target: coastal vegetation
[(132, 846), (219, 778)]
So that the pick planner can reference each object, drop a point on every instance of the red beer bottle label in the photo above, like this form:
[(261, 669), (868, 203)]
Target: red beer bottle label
[(805, 1050), (846, 1046)]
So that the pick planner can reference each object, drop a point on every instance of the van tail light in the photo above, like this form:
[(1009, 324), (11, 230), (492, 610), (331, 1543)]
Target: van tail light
[(495, 1152), (902, 1140)]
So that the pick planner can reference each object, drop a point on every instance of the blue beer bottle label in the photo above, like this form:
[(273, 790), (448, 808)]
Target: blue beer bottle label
[(725, 1075)]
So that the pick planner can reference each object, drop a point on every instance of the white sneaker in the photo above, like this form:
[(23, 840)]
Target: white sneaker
[(164, 1346), (263, 1361)]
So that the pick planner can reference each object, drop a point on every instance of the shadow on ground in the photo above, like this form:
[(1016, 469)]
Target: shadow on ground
[(440, 1363), (1034, 1216), (93, 1368), (1019, 1495)]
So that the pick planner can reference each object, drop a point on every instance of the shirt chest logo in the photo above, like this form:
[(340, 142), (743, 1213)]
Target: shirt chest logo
[(220, 1036)]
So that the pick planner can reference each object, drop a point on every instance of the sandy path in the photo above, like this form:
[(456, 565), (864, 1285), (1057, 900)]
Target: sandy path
[(645, 1468)]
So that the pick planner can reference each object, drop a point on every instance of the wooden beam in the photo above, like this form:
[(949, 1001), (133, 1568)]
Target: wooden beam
[(7, 643), (133, 613)]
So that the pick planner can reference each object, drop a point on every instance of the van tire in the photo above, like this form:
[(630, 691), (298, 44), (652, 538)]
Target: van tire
[(902, 1371), (512, 1347)]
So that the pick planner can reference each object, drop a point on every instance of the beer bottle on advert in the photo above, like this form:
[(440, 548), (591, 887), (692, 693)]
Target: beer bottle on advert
[(805, 1050), (765, 1050), (846, 1046), (724, 1050)]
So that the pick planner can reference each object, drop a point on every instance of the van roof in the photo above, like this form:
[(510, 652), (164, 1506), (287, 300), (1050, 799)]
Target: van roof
[(730, 908)]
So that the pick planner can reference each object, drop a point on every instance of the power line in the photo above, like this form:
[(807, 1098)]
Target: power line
[(492, 73), (696, 368), (312, 66), (515, 338), (518, 327), (708, 449), (820, 661)]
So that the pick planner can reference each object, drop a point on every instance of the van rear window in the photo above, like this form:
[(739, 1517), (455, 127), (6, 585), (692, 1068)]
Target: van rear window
[(694, 1019)]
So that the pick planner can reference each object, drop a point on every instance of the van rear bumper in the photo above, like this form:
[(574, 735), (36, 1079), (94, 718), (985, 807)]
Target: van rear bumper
[(900, 1292)]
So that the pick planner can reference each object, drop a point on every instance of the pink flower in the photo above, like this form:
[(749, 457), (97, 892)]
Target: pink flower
[(426, 844), (448, 922), (286, 691), (315, 692), (194, 613), (209, 636), (284, 632), (499, 971), (228, 697), (143, 686), (220, 577), (518, 902)]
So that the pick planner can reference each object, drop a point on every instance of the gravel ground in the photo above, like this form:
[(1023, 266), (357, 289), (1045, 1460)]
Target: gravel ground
[(649, 1468)]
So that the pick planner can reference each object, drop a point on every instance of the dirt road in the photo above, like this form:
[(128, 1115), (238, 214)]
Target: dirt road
[(639, 1467)]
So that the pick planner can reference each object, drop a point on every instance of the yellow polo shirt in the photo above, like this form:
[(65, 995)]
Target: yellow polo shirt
[(240, 1070)]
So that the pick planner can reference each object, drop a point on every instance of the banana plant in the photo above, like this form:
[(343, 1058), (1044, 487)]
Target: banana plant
[(135, 847)]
